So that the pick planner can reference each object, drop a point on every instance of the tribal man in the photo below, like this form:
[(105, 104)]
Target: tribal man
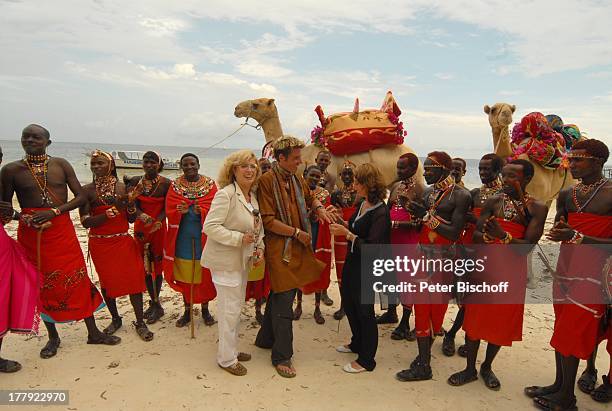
[(443, 212), (489, 170), (321, 244), (584, 216), (113, 250), (284, 201), (187, 204), (343, 200), (511, 217), (41, 183), (150, 226), (19, 287), (404, 230), (459, 168)]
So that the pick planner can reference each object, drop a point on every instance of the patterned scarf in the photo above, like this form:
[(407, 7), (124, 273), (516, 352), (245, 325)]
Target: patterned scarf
[(282, 200)]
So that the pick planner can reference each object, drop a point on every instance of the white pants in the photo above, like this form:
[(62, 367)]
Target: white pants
[(230, 299)]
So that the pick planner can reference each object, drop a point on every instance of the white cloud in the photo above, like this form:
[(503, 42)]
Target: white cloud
[(444, 76), (162, 27), (259, 69)]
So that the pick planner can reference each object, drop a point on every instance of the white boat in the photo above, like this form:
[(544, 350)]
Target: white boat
[(133, 159)]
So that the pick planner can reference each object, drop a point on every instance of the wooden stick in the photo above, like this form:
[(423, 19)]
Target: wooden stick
[(192, 282)]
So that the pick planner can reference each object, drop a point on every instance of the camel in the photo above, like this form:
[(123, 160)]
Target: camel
[(546, 183), (264, 111)]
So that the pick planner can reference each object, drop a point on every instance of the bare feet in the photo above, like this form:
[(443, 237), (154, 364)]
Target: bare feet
[(285, 370)]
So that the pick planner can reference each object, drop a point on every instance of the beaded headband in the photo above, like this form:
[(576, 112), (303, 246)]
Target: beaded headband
[(575, 155), (100, 153), (436, 165)]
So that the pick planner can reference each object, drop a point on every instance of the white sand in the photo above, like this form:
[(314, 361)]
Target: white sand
[(176, 372)]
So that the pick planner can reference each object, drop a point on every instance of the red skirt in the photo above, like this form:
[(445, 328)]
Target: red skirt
[(67, 293)]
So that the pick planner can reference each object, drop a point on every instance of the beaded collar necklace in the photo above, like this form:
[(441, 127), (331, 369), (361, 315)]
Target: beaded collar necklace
[(38, 165)]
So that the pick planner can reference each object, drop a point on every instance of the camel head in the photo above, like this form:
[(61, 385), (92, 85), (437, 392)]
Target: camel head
[(500, 115), (259, 109)]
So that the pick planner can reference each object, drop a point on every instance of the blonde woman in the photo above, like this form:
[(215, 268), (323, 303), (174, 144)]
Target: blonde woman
[(234, 245)]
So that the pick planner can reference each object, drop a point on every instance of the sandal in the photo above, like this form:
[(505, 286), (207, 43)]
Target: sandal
[(416, 372), (319, 317), (548, 404), (143, 332), (285, 370), (297, 313), (113, 327), (462, 351), (183, 321), (209, 320), (338, 315), (587, 381), (156, 315), (603, 392), (411, 335), (50, 349), (326, 300), (147, 314), (9, 366), (440, 333), (103, 339), (236, 369), (462, 377), (538, 391), (243, 356), (448, 346), (400, 333), (490, 379)]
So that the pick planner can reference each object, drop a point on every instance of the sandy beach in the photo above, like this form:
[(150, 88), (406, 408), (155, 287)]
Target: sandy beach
[(177, 372)]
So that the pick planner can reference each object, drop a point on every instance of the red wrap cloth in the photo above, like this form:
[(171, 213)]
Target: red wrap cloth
[(258, 289), (499, 324), (19, 288), (204, 291), (340, 244), (428, 318), (67, 293), (322, 253), (115, 255), (401, 236), (577, 328), (152, 206), (468, 233)]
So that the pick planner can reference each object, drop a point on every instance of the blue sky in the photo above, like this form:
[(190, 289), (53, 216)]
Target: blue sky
[(172, 72)]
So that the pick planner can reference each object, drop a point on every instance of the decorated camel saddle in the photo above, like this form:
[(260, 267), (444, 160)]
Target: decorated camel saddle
[(359, 131)]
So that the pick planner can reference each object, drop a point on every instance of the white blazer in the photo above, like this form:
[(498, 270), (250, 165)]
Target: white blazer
[(229, 217)]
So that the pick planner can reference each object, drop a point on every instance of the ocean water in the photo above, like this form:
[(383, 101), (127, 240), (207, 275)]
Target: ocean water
[(210, 160)]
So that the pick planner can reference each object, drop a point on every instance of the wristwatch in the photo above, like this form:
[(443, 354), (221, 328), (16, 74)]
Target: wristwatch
[(56, 211)]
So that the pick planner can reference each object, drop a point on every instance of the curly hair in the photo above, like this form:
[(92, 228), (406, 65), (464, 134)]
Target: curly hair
[(369, 176), (226, 174), (496, 161)]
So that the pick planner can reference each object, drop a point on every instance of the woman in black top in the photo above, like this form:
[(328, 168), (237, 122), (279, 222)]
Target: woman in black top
[(371, 224)]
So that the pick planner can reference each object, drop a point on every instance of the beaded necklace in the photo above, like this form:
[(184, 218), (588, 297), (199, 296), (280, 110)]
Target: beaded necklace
[(490, 189), (348, 195), (39, 167), (441, 189), (404, 188), (321, 194), (586, 189), (149, 187), (511, 207), (193, 189), (105, 189)]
